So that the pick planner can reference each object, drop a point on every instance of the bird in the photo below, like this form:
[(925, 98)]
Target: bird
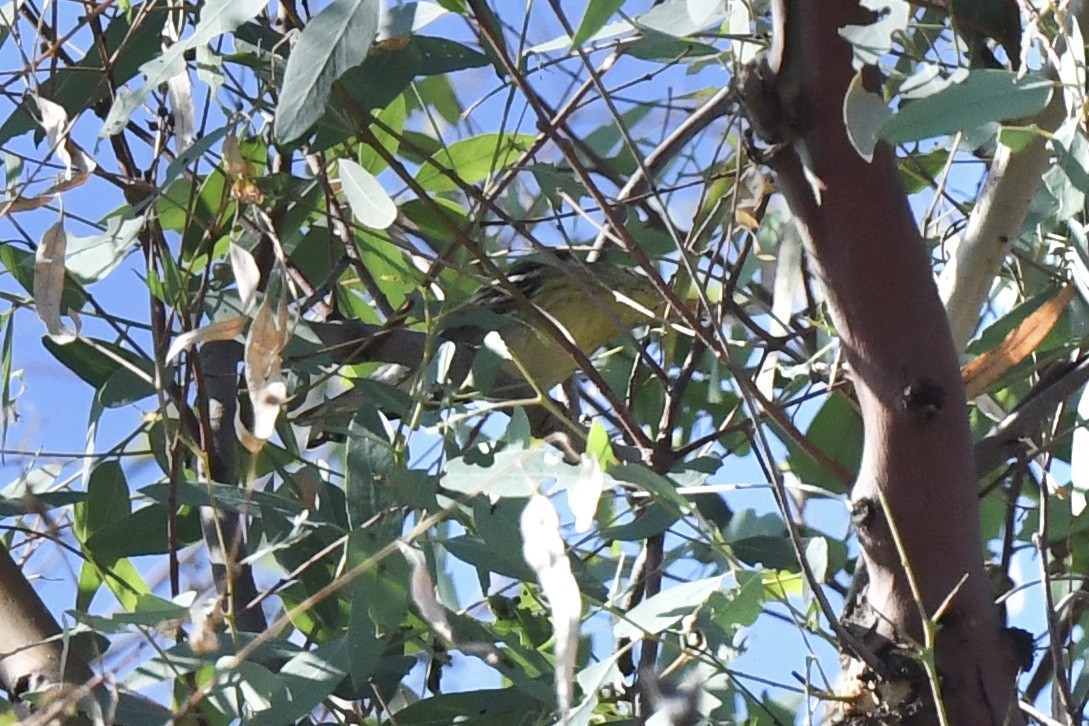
[(589, 303)]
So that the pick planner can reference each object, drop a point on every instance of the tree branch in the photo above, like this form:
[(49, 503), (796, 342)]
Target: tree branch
[(999, 213), (917, 454)]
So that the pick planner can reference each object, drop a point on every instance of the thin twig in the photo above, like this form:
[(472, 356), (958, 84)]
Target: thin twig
[(767, 462), (1061, 685)]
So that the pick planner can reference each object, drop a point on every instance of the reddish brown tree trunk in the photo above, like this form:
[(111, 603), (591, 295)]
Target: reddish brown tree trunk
[(860, 233)]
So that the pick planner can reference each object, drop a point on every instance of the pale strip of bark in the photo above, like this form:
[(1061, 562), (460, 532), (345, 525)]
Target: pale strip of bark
[(995, 222)]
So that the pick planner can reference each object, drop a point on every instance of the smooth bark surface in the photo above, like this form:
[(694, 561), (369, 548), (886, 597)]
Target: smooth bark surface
[(917, 456), (27, 661)]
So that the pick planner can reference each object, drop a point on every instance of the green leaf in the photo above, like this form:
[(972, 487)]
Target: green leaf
[(203, 215), (1018, 137), (870, 43), (150, 611), (128, 707), (437, 221), (920, 170), (125, 582), (370, 204), (513, 472), (375, 84), (128, 42), (8, 14), (654, 46), (307, 679), (488, 706), (6, 398), (771, 552), (440, 56), (473, 160), (863, 114), (651, 482), (38, 503), (597, 14), (745, 600), (107, 500), (364, 648), (836, 430), (98, 365), (334, 40), (196, 150), (226, 497), (675, 18), (144, 532), (92, 258), (666, 608), (392, 116), (484, 557), (654, 520), (599, 446), (984, 96), (215, 19), (180, 659), (371, 463), (247, 691), (124, 387), (385, 579)]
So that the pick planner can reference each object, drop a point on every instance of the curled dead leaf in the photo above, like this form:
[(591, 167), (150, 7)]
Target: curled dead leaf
[(48, 289), (751, 195), (263, 367), (985, 370), (422, 588), (219, 330), (233, 162), (246, 274), (544, 551), (54, 121), (180, 93), (241, 171), (584, 496)]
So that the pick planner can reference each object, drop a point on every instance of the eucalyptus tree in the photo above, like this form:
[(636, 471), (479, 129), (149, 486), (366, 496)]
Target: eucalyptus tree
[(813, 274)]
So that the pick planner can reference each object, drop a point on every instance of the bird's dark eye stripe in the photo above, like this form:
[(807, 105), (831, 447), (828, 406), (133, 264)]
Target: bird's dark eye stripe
[(527, 276)]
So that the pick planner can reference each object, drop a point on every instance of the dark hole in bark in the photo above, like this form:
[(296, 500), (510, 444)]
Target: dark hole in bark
[(863, 513), (1024, 646), (20, 686), (922, 398)]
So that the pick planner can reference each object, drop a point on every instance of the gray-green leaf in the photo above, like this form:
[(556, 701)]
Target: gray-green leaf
[(984, 96), (369, 202), (334, 40)]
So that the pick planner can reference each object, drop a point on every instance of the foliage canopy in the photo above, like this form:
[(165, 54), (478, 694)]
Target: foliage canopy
[(291, 186)]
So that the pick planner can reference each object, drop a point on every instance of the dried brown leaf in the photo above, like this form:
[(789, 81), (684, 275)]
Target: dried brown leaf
[(422, 588), (219, 330), (246, 274), (49, 283), (263, 368), (985, 370)]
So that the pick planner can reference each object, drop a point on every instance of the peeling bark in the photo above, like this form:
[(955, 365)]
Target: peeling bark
[(917, 457)]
